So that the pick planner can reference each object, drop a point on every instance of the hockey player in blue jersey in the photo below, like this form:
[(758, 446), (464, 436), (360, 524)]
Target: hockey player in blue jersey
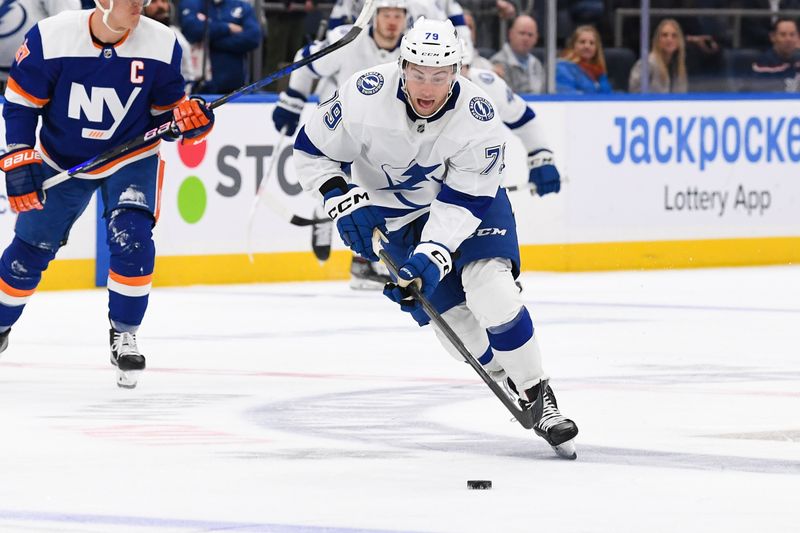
[(95, 79), (427, 161)]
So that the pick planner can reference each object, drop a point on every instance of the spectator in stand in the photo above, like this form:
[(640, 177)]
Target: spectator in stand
[(582, 69), (487, 15), (161, 11), (667, 61), (285, 34), (232, 29), (515, 63), (778, 70), (477, 60), (756, 30)]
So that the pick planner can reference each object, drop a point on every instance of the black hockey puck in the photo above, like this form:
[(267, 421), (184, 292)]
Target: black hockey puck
[(479, 484)]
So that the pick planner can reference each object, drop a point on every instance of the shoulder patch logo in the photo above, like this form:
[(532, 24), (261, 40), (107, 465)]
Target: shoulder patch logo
[(22, 52), (486, 77), (369, 83), (481, 109)]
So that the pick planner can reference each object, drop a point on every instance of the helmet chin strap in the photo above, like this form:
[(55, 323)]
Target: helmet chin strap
[(106, 14)]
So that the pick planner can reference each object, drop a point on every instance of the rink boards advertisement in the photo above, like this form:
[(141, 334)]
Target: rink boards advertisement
[(648, 183)]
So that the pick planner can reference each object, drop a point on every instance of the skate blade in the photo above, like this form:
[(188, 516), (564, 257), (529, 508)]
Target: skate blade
[(128, 379), (566, 450)]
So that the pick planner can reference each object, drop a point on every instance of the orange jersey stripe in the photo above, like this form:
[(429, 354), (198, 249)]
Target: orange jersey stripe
[(131, 281), (14, 86), (11, 291), (161, 165)]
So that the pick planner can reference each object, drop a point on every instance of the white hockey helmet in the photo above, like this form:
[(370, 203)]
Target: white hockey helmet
[(431, 43), (399, 4)]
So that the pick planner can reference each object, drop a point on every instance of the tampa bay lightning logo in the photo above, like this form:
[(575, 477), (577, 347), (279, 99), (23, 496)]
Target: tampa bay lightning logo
[(405, 181), (12, 17), (481, 109), (370, 83), (486, 77)]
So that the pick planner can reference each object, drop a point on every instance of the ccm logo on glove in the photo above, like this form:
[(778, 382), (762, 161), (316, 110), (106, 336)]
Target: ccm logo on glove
[(348, 202)]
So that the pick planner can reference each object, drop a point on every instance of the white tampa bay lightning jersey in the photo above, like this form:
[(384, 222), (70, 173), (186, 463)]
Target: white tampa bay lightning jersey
[(512, 109), (91, 97), (19, 16), (449, 165), (337, 66)]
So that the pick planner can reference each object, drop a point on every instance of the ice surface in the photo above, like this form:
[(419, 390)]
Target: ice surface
[(311, 407)]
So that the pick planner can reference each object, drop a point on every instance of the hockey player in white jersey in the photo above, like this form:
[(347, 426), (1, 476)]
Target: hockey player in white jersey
[(380, 44), (19, 16), (521, 120), (346, 11), (427, 161)]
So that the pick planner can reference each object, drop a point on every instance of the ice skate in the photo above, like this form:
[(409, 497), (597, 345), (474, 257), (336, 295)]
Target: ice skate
[(555, 428), (126, 358), (364, 275), (321, 234), (4, 340)]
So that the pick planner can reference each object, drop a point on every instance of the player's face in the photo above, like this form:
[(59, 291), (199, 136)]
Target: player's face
[(427, 87), (586, 46), (126, 14), (390, 22)]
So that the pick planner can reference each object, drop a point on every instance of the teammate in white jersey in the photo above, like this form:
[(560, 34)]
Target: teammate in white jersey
[(521, 120), (94, 79), (427, 161), (19, 16), (379, 44), (346, 11)]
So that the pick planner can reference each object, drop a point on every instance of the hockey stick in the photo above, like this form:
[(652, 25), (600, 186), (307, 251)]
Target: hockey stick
[(531, 187), (273, 203), (169, 128), (526, 417)]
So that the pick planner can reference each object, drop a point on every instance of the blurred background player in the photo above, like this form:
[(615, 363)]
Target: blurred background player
[(520, 119), (346, 11), (427, 161), (379, 44), (130, 65), (19, 16)]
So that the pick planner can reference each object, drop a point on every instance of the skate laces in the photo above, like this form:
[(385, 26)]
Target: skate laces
[(124, 344), (550, 413)]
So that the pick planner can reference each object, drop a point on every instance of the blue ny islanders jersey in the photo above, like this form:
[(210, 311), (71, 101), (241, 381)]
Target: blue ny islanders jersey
[(91, 97)]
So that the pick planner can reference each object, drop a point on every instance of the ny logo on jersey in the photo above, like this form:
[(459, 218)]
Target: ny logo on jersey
[(404, 181), (93, 108)]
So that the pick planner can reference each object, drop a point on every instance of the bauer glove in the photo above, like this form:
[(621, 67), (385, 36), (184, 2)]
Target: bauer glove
[(193, 119), (24, 178)]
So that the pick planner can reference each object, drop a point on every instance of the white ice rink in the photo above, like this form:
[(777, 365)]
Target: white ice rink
[(312, 408)]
